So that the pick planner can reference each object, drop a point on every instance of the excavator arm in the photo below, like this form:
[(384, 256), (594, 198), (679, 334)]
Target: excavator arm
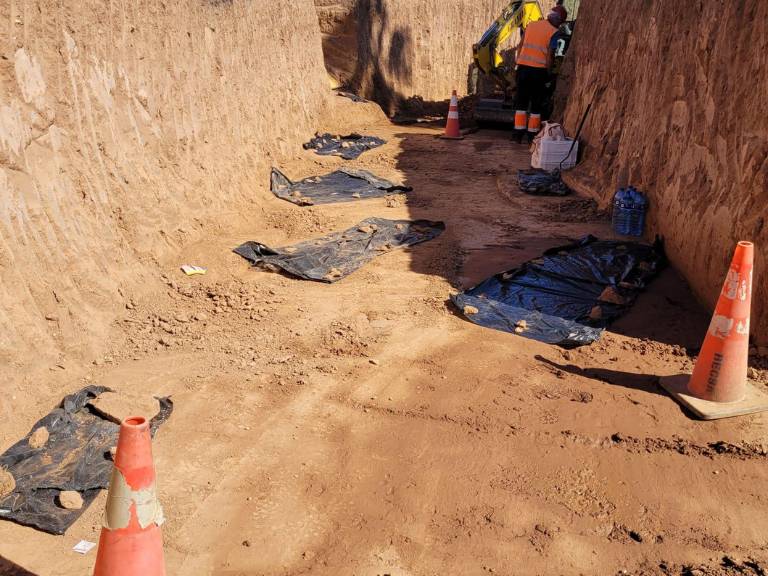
[(519, 13)]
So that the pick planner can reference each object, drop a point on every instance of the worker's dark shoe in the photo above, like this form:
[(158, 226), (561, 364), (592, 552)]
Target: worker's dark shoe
[(517, 136), (530, 136)]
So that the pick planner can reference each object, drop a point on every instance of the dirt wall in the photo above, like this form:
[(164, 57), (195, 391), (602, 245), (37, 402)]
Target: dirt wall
[(391, 50), (679, 111), (124, 128)]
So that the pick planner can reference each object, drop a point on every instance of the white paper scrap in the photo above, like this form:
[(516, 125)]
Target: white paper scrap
[(83, 547), (190, 270)]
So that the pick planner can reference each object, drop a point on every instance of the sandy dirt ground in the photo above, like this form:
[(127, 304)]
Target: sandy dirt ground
[(365, 428)]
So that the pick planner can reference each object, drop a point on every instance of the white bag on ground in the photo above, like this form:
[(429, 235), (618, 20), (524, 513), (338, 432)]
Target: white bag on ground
[(550, 147)]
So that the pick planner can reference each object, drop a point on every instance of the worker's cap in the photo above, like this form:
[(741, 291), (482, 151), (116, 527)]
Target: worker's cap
[(555, 18), (562, 11)]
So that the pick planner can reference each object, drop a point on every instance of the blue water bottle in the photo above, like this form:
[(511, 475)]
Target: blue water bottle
[(620, 212), (631, 206)]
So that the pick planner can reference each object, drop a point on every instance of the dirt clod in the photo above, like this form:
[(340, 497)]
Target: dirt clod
[(583, 397), (70, 499), (7, 483), (39, 437), (333, 274), (469, 310)]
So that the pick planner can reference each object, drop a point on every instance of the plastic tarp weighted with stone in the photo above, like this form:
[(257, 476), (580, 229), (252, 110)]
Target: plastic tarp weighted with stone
[(340, 186), (348, 147), (75, 457), (337, 255), (568, 295)]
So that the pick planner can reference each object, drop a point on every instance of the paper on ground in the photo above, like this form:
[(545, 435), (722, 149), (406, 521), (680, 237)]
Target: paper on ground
[(83, 547)]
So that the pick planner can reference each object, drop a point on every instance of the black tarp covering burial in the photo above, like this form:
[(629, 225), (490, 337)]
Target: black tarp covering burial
[(541, 183), (75, 457), (340, 186), (568, 295), (337, 255), (348, 147)]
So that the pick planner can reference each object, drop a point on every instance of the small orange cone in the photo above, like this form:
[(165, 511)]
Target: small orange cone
[(719, 387), (452, 131), (131, 542)]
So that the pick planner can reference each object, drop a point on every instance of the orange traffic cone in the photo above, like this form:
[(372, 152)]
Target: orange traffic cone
[(719, 387), (452, 131), (131, 542)]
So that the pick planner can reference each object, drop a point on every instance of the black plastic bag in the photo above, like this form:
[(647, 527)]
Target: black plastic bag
[(568, 295), (75, 457), (348, 147), (542, 183), (340, 186), (337, 255)]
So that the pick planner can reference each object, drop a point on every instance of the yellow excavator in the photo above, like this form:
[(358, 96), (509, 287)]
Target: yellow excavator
[(491, 77)]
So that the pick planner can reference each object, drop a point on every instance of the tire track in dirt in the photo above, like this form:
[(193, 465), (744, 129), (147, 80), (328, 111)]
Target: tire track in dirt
[(711, 450)]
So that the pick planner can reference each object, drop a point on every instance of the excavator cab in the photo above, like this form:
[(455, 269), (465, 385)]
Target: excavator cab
[(492, 75)]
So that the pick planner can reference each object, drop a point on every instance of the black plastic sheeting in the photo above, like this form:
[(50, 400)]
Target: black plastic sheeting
[(541, 183), (348, 147), (75, 457), (568, 295), (337, 255), (340, 186)]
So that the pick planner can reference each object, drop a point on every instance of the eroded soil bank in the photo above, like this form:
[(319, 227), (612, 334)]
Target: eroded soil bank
[(679, 111)]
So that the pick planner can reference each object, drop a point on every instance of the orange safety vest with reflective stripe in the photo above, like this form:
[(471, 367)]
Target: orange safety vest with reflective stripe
[(536, 44)]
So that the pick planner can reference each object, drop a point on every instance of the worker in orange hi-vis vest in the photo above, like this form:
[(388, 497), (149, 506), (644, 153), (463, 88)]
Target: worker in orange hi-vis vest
[(534, 60)]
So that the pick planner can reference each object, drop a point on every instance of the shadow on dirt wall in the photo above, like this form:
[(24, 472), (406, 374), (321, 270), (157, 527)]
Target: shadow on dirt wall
[(384, 57)]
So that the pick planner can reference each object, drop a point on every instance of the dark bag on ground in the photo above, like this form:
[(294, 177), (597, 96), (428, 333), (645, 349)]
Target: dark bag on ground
[(337, 255), (541, 183), (343, 185), (348, 147)]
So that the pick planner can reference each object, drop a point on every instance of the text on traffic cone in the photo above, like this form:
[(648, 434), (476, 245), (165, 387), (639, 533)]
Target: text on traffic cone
[(720, 374)]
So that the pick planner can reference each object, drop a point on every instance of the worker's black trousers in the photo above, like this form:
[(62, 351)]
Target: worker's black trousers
[(531, 89)]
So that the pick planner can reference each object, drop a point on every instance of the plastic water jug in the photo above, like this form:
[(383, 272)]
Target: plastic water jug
[(622, 212), (639, 207)]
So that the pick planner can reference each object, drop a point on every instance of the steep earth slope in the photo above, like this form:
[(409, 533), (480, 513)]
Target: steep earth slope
[(124, 127), (391, 50), (679, 111)]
